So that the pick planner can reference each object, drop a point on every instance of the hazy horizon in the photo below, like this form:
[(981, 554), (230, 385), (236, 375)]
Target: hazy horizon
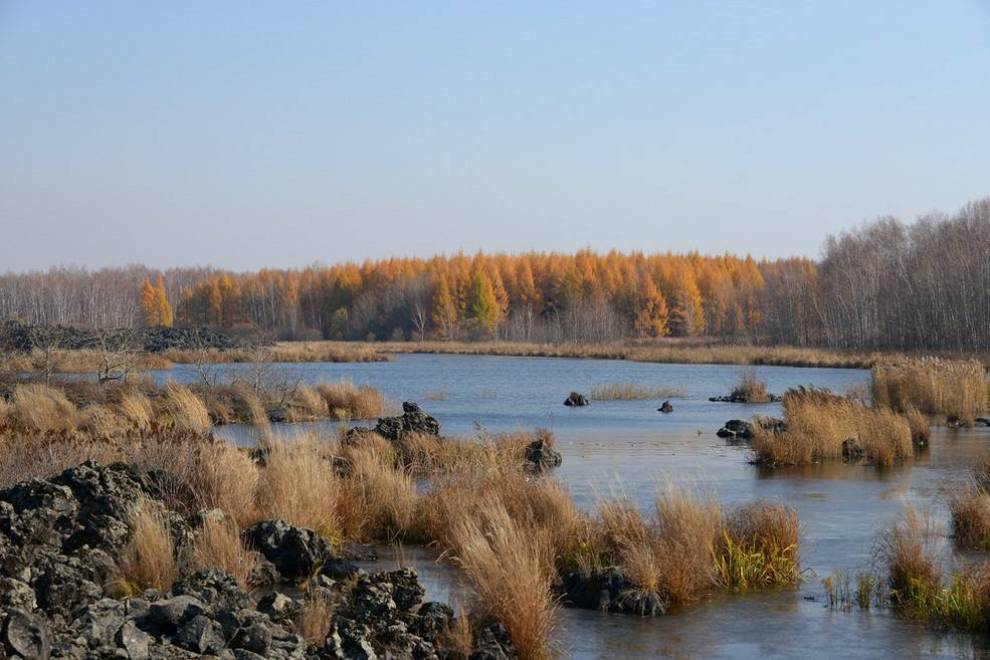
[(282, 135)]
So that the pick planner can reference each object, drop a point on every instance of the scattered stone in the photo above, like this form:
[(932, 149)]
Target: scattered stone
[(576, 399), (741, 398)]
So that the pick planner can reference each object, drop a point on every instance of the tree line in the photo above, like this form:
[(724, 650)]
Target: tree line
[(886, 284)]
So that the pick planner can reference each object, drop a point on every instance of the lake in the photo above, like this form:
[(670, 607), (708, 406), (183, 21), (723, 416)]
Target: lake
[(629, 447)]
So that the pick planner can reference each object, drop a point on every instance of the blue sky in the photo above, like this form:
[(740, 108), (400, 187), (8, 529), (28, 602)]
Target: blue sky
[(250, 134)]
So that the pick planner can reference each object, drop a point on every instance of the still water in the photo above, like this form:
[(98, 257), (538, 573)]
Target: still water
[(630, 448)]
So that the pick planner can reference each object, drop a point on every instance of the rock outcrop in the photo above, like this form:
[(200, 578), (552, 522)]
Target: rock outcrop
[(61, 595), (576, 399)]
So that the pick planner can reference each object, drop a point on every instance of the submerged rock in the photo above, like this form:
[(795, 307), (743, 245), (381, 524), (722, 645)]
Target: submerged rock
[(666, 407), (609, 590), (576, 399), (736, 428)]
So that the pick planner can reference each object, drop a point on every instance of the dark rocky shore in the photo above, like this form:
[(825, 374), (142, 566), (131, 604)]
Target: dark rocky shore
[(60, 597), (17, 337)]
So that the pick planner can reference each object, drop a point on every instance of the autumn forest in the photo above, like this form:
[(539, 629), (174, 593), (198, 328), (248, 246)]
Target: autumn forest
[(886, 284)]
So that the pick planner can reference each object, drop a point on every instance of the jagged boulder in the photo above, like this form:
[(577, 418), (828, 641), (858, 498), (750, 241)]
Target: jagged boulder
[(576, 399), (296, 552), (541, 456), (736, 429)]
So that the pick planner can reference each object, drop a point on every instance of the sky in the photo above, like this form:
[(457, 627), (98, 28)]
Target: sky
[(280, 134)]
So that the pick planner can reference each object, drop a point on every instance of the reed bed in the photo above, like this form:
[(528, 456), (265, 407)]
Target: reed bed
[(630, 391), (345, 400), (969, 508), (955, 389), (920, 589), (823, 426), (288, 351), (667, 350)]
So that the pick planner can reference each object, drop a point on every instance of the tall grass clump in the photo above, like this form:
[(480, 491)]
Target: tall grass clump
[(630, 391), (821, 425), (148, 559), (510, 565), (750, 389), (379, 496), (957, 389), (186, 411), (759, 547), (969, 508), (136, 408), (691, 547), (298, 485), (918, 588), (345, 400), (217, 544), (43, 409)]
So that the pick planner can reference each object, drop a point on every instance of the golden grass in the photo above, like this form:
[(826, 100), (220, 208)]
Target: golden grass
[(136, 408), (957, 389), (298, 485), (43, 409), (908, 550), (970, 511), (148, 559), (751, 389), (185, 410), (759, 547), (75, 361), (218, 545), (818, 423), (289, 351), (665, 350), (344, 400), (224, 477), (691, 547), (379, 498), (629, 391), (510, 565), (313, 621), (490, 453)]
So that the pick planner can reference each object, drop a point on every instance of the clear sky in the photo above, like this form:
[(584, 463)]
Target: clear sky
[(250, 134)]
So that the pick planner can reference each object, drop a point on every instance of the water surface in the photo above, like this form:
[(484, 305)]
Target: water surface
[(629, 447)]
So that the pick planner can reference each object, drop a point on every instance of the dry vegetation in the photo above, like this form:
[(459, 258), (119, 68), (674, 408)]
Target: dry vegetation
[(751, 389), (823, 426), (630, 391), (666, 350), (970, 510), (285, 351), (955, 389), (515, 534)]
